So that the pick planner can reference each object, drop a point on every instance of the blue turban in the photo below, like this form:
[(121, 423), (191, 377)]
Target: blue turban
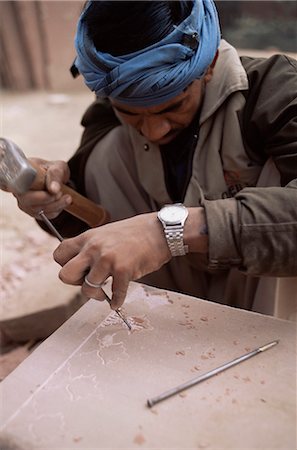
[(157, 73)]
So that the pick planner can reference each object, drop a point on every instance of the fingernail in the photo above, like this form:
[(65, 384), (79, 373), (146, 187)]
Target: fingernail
[(68, 200), (55, 186)]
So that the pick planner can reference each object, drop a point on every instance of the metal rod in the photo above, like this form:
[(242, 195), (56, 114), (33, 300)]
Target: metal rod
[(61, 239), (119, 313), (153, 401), (51, 226)]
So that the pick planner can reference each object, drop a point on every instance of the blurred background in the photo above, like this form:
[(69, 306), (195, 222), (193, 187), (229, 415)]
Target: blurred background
[(262, 25), (37, 37)]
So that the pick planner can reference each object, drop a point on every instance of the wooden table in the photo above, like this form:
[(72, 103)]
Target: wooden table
[(86, 386)]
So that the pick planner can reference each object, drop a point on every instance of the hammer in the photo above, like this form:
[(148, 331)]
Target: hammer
[(18, 175)]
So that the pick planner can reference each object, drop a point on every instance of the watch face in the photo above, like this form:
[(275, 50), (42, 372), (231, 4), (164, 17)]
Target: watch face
[(173, 214)]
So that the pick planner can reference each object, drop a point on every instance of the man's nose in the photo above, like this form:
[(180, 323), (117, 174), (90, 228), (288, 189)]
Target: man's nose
[(154, 128)]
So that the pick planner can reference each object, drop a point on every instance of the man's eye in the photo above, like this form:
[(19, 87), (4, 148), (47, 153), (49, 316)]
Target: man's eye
[(128, 113), (173, 108), (169, 110)]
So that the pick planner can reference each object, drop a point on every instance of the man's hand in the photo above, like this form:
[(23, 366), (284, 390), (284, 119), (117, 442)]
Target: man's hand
[(126, 250), (50, 200)]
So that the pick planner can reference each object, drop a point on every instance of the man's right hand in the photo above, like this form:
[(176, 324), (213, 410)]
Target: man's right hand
[(50, 200)]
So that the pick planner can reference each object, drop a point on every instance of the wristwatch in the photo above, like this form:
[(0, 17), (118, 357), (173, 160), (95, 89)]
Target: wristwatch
[(173, 218)]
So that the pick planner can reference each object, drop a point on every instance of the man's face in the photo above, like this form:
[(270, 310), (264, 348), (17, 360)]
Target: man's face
[(161, 124)]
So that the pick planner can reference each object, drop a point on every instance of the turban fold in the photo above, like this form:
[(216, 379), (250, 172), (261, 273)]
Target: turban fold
[(157, 73)]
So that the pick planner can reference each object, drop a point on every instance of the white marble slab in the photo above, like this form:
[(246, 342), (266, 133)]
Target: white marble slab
[(87, 385)]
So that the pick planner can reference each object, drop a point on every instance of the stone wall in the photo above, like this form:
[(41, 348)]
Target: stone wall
[(37, 47)]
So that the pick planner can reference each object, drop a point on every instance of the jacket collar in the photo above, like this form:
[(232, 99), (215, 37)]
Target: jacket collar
[(228, 76)]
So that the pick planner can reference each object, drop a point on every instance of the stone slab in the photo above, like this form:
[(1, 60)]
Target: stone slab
[(86, 386)]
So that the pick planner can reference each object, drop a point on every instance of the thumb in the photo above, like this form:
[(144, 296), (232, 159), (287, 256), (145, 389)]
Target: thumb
[(57, 174)]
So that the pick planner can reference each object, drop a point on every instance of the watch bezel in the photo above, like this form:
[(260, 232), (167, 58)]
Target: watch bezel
[(183, 214)]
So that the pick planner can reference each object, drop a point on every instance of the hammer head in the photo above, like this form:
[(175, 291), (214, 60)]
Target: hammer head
[(16, 174)]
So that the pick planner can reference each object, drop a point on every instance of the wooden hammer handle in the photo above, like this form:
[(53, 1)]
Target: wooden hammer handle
[(81, 207)]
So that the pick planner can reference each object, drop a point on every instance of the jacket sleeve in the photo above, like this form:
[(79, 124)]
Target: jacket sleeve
[(97, 121), (256, 230)]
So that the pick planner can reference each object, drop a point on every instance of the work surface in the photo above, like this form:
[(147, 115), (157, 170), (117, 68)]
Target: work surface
[(87, 385)]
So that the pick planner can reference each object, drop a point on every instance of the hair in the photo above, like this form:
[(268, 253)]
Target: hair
[(123, 27)]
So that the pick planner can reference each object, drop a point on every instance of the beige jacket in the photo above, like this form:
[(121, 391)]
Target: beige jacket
[(247, 123), (242, 225)]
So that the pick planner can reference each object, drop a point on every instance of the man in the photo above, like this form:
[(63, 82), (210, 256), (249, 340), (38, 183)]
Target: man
[(180, 121)]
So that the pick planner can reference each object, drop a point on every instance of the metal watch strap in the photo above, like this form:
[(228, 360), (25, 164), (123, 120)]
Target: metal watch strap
[(175, 239)]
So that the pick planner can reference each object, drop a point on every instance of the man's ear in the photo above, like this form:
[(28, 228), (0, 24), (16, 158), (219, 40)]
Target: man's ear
[(209, 73)]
